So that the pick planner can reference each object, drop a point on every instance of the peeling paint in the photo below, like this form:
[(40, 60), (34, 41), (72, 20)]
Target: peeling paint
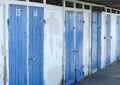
[(53, 24), (53, 49), (51, 44), (54, 73), (59, 44)]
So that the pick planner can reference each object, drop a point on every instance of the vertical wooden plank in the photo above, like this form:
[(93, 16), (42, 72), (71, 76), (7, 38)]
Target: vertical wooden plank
[(79, 46), (108, 37), (70, 69), (94, 42), (36, 41), (17, 51)]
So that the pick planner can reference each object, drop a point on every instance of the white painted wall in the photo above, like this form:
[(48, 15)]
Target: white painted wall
[(53, 45), (86, 41), (1, 47), (103, 41), (113, 40), (6, 42)]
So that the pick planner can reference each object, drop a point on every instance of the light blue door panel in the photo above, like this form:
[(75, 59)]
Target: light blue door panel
[(69, 44), (79, 47), (96, 41), (36, 40), (99, 41), (17, 45), (118, 38), (108, 39)]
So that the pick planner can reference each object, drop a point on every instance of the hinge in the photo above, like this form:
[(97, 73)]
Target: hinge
[(44, 21), (73, 27), (94, 22), (83, 72), (75, 51), (98, 26), (65, 22), (83, 21), (104, 37), (106, 22), (8, 22), (117, 22)]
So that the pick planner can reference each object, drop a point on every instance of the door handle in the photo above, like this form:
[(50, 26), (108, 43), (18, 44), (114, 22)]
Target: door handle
[(104, 37), (75, 51), (32, 59), (111, 37)]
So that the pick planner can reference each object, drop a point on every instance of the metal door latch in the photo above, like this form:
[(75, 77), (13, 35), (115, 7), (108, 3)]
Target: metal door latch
[(44, 21), (75, 51), (32, 59), (104, 37), (73, 27)]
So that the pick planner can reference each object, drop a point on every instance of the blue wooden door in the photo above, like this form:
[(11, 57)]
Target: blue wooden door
[(17, 45), (118, 38), (69, 44), (36, 39), (108, 39), (79, 47), (96, 42)]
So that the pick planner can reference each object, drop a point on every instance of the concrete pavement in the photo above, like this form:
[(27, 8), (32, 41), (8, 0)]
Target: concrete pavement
[(110, 75)]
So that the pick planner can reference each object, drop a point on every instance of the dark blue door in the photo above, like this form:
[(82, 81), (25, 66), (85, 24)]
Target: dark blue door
[(108, 39), (17, 45), (118, 38), (79, 47), (96, 41), (70, 69), (36, 39)]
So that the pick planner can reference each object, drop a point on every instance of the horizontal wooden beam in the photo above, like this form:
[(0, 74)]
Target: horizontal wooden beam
[(111, 3)]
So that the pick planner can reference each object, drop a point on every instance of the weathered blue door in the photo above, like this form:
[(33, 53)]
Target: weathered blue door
[(70, 69), (36, 39), (99, 41), (96, 41), (17, 45), (118, 38), (79, 47), (108, 39)]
